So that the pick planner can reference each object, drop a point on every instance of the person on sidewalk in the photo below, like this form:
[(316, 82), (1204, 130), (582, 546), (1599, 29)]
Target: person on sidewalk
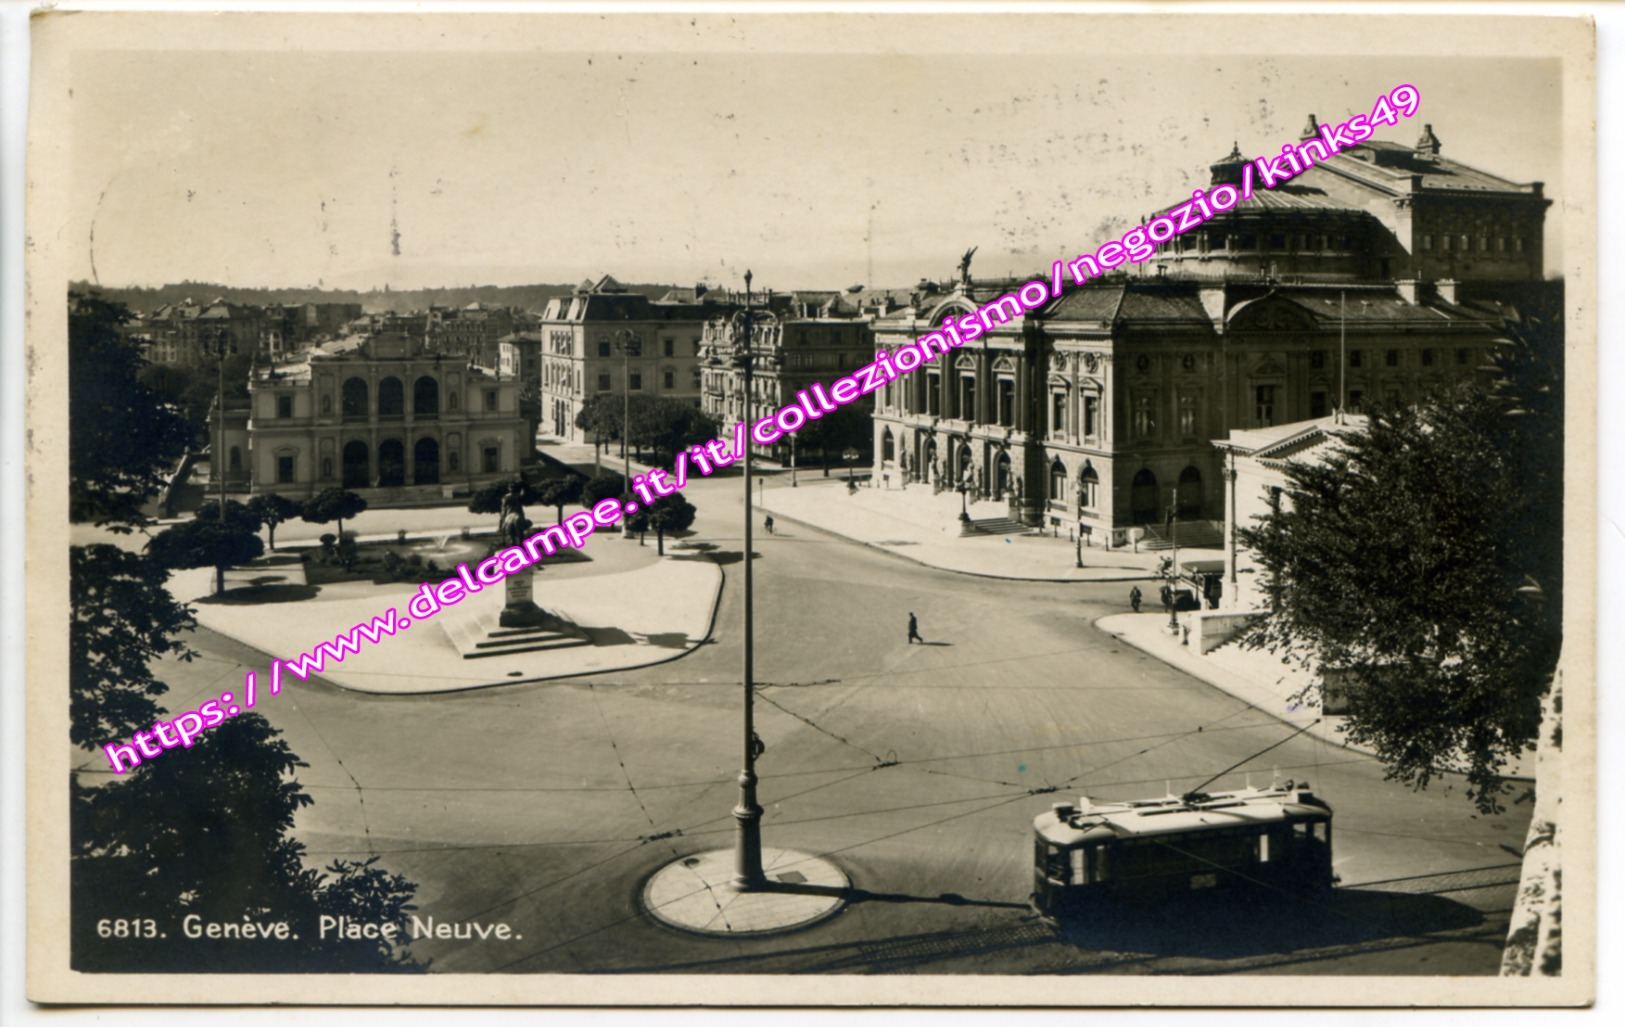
[(769, 524), (1134, 598), (914, 630)]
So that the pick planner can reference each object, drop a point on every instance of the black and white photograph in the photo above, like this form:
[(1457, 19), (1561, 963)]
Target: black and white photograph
[(784, 508)]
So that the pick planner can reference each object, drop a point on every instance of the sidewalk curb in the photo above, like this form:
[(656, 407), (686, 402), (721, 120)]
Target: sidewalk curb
[(1322, 730), (955, 570)]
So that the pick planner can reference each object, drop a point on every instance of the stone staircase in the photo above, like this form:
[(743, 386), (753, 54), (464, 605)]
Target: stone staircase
[(1000, 526), (475, 639), (1191, 534)]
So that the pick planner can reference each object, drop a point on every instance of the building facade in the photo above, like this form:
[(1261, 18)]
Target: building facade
[(1097, 413), (389, 419), (604, 339), (804, 340)]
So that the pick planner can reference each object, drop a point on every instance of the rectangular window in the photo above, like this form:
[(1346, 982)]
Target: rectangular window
[(1461, 356), (1317, 359), (1091, 411), (671, 347), (1057, 413), (1007, 402), (604, 383), (490, 400), (1500, 244), (1483, 244), (669, 379), (1317, 403), (492, 457), (1392, 357), (1444, 243), (1246, 241), (1277, 241), (1517, 244), (1264, 405), (1144, 423), (635, 383), (1465, 242), (1427, 358), (1427, 242), (284, 406), (603, 347), (1356, 400), (1356, 358), (1216, 240), (284, 470), (1187, 416)]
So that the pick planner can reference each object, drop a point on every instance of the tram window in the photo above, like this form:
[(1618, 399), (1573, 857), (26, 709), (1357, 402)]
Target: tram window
[(1055, 863), (1100, 862), (1080, 865), (1263, 848), (1322, 831)]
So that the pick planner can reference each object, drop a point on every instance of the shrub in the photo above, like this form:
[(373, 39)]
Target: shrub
[(400, 536), (414, 561), (432, 567), (328, 540), (468, 533)]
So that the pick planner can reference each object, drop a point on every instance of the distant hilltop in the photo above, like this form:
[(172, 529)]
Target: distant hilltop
[(526, 297)]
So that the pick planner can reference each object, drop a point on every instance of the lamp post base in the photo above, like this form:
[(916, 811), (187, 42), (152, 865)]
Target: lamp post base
[(697, 894)]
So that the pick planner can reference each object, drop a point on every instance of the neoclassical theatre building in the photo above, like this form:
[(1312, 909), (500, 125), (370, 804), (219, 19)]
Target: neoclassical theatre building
[(386, 417), (1371, 278)]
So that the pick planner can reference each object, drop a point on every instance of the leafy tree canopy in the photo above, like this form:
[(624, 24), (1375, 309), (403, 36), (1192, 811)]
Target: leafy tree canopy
[(608, 485), (1426, 559), (205, 831), (205, 542), (487, 499), (123, 619), (333, 504), (561, 492), (123, 437), (273, 509)]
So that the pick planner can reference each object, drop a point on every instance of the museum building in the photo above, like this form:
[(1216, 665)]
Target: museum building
[(1372, 278), (383, 416)]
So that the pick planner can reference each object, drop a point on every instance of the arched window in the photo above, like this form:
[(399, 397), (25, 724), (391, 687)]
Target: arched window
[(1057, 481), (426, 462), (391, 456), (391, 398), (357, 469), (1088, 487), (425, 398), (355, 398), (1143, 497), (1189, 504), (888, 447)]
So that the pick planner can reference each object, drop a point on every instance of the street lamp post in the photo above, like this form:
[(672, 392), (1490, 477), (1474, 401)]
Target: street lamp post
[(221, 348), (748, 814), (792, 460), (627, 342), (1173, 568)]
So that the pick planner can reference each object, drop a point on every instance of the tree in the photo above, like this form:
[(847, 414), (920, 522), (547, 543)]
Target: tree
[(205, 832), (560, 492), (1426, 559), (123, 618), (123, 436), (668, 426), (846, 426), (272, 509), (333, 504), (608, 485), (601, 415), (670, 514), (205, 542)]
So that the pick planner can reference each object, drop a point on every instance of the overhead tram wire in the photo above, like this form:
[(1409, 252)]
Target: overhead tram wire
[(1197, 790)]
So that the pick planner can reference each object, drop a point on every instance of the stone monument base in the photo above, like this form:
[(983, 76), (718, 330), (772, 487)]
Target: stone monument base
[(521, 627)]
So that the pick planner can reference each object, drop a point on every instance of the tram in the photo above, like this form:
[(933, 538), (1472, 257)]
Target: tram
[(1278, 837)]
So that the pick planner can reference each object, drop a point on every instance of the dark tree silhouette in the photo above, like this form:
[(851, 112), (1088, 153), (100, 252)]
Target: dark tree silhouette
[(123, 436), (669, 514), (608, 485), (1426, 559), (205, 542), (560, 492), (272, 509), (123, 619), (333, 504), (204, 832)]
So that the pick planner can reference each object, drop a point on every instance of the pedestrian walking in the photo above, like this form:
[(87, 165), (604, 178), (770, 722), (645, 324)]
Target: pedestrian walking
[(769, 523), (914, 630), (1134, 598)]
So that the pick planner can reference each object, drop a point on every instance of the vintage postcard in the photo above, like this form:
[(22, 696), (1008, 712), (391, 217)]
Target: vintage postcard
[(763, 507)]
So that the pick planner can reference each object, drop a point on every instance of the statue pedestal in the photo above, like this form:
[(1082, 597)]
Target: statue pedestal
[(521, 610), (521, 627)]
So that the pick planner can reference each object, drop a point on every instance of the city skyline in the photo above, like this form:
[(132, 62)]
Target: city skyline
[(681, 164)]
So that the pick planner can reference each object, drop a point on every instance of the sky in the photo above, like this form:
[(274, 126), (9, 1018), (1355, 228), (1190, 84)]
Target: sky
[(692, 161)]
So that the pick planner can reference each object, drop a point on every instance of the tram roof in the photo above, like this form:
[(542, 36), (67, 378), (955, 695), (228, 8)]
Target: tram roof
[(1173, 815)]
